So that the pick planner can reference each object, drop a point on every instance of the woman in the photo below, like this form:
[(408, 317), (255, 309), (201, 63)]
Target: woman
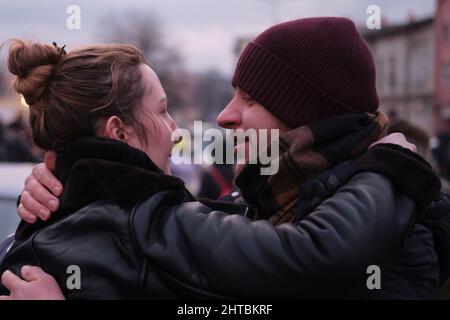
[(135, 232)]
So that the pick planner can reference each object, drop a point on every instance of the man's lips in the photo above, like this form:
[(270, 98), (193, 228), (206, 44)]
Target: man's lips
[(235, 142), (243, 150)]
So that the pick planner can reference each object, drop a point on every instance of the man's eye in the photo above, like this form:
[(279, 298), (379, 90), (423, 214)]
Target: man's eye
[(248, 99)]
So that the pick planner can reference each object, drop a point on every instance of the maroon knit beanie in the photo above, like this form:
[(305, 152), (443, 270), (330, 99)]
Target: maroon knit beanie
[(309, 69)]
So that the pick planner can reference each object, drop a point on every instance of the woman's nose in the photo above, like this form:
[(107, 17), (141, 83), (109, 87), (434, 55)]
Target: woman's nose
[(229, 118)]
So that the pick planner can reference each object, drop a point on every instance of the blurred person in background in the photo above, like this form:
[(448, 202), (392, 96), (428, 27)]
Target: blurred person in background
[(216, 180), (420, 138), (438, 212), (441, 152), (13, 149), (20, 129)]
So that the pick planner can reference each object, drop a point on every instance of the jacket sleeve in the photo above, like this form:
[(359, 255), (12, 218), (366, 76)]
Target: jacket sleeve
[(325, 255)]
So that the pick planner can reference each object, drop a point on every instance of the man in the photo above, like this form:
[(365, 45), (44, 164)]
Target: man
[(314, 80)]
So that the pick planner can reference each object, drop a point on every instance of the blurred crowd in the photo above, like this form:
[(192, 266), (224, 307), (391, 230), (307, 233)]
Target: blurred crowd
[(16, 144)]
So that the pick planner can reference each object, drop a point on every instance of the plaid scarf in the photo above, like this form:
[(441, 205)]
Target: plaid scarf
[(304, 153)]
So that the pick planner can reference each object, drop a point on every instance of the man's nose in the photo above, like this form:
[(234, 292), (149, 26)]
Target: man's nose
[(229, 118)]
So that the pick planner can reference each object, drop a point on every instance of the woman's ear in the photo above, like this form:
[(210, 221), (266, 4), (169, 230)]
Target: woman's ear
[(115, 129)]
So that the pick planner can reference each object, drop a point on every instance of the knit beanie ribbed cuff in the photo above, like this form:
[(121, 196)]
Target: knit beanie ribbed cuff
[(282, 90)]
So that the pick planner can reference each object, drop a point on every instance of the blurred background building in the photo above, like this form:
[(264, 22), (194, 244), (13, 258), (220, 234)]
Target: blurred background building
[(404, 59), (442, 63), (413, 68)]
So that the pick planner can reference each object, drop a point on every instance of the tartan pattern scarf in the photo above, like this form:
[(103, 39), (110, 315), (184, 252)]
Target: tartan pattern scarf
[(304, 153)]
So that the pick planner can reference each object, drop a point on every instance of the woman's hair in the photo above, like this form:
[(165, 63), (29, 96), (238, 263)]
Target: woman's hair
[(69, 94)]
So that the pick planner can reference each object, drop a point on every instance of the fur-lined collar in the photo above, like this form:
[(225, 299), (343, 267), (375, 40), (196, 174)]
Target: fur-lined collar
[(92, 168)]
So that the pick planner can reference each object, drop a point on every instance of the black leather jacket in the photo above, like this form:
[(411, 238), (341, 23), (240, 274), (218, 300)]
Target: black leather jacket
[(136, 233)]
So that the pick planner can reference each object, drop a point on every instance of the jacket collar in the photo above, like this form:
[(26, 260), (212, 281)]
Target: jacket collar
[(92, 168)]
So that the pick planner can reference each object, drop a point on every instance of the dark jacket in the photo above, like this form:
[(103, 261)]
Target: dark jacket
[(422, 265), (137, 233)]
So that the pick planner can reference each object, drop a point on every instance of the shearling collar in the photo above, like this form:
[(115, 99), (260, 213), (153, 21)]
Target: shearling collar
[(92, 168)]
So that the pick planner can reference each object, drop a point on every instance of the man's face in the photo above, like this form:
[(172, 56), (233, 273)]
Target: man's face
[(243, 112)]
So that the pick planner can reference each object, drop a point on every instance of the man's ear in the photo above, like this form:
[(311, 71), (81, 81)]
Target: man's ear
[(115, 129)]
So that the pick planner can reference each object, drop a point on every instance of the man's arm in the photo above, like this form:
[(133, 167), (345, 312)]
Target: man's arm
[(325, 255)]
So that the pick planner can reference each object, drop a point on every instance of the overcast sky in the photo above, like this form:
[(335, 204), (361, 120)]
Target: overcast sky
[(203, 30)]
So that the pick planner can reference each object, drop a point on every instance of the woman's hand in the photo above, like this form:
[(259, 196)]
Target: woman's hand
[(37, 285), (398, 139), (40, 194)]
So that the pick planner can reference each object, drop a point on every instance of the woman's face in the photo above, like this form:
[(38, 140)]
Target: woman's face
[(156, 120)]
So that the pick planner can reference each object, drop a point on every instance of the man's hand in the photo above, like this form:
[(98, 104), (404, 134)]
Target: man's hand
[(37, 285), (40, 195), (398, 139)]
